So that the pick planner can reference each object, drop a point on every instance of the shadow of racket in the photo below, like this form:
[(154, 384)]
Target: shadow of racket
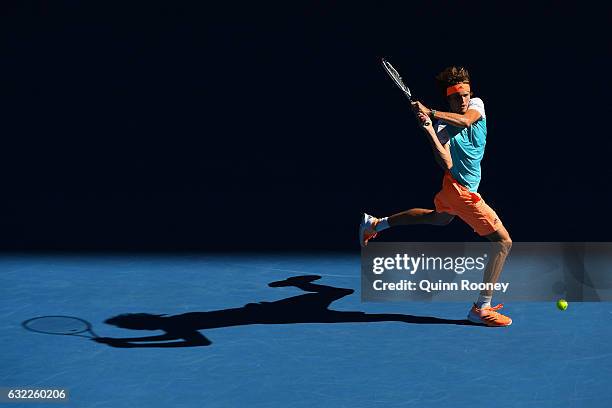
[(60, 325)]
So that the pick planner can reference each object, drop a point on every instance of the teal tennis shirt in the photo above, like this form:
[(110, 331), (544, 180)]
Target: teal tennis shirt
[(467, 146)]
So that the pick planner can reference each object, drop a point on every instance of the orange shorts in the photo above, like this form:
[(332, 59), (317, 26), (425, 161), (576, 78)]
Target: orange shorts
[(456, 199)]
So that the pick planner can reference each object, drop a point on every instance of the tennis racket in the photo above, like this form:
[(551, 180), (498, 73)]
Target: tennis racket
[(400, 83), (62, 325)]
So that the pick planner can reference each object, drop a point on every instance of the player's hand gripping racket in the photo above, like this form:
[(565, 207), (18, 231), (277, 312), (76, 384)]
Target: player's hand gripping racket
[(400, 83)]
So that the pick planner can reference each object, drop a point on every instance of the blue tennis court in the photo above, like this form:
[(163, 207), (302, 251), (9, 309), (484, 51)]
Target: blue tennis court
[(184, 183), (299, 342)]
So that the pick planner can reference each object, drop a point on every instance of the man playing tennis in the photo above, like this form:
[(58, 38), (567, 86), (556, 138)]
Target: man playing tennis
[(458, 142)]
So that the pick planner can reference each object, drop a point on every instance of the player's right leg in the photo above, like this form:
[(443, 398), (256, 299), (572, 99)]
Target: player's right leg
[(370, 226), (481, 311)]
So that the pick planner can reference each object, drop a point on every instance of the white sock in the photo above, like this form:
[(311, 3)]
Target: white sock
[(383, 224), (484, 301)]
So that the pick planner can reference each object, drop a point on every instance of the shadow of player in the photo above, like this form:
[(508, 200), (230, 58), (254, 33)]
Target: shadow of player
[(307, 308)]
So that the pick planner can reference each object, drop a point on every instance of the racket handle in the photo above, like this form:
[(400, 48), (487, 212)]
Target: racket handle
[(427, 122)]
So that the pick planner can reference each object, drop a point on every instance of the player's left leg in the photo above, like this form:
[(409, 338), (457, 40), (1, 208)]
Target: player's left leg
[(416, 216), (442, 215), (325, 295), (370, 226)]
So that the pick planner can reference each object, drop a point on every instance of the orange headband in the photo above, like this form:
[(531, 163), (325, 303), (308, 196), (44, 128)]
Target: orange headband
[(457, 88)]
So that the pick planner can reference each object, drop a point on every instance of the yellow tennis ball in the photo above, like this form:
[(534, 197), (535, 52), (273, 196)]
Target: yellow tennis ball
[(562, 304)]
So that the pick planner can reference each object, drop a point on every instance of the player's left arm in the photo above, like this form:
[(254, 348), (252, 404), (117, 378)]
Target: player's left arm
[(190, 339)]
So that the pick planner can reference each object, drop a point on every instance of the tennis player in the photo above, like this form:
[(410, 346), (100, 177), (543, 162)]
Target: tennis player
[(458, 141)]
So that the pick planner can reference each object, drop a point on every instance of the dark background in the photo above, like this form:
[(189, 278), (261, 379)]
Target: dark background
[(264, 126)]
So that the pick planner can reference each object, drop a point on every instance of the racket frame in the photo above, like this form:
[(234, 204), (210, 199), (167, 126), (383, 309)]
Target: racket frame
[(397, 78), (88, 327)]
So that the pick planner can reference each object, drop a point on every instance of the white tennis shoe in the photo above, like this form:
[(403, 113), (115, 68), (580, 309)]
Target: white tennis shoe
[(367, 229)]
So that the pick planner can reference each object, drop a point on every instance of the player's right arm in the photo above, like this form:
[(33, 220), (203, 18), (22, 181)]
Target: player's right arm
[(441, 151)]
